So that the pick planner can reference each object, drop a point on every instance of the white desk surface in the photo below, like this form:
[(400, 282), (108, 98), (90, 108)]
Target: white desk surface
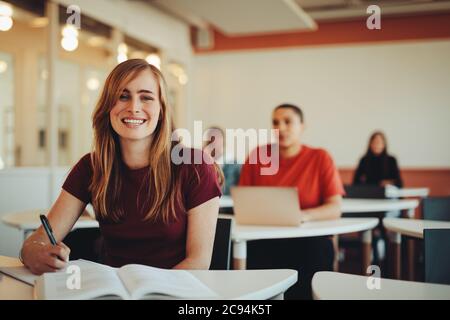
[(226, 202), (377, 205), (413, 227), (308, 229), (394, 192), (29, 220), (328, 285), (357, 205), (233, 284)]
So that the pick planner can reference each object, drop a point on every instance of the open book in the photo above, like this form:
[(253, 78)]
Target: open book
[(129, 282)]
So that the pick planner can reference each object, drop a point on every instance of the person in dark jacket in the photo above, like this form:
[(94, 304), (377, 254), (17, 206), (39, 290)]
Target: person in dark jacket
[(377, 167)]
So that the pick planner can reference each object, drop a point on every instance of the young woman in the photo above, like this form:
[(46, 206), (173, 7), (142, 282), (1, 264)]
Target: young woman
[(320, 189), (150, 211), (377, 167), (214, 146)]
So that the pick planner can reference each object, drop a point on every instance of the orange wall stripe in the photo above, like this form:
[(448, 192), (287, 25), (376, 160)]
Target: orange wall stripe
[(435, 26)]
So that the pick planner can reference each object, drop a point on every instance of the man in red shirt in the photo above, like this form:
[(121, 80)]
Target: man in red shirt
[(320, 190)]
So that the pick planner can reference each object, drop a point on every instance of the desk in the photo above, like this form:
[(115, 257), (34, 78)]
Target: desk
[(28, 221), (330, 286), (379, 205), (235, 284), (243, 233), (394, 192), (408, 227), (359, 205)]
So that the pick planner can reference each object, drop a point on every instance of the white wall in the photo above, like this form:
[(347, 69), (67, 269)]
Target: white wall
[(25, 189), (346, 92)]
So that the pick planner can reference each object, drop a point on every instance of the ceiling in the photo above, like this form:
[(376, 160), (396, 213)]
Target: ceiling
[(240, 17), (243, 16)]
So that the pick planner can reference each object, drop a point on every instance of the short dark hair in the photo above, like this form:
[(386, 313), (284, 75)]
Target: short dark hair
[(294, 108)]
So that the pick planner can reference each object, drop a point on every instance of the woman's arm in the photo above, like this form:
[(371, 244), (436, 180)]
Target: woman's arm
[(330, 210), (37, 253), (359, 176), (396, 173), (201, 230)]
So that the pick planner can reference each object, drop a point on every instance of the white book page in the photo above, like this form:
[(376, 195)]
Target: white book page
[(96, 282), (143, 280)]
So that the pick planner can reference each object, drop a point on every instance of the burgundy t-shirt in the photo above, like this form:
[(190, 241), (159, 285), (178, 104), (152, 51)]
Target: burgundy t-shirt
[(133, 240)]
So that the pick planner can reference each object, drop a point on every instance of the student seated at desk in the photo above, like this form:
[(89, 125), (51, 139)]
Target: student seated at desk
[(313, 172), (214, 146), (150, 210), (377, 167)]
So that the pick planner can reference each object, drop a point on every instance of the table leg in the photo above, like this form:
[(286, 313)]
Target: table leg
[(239, 255), (336, 253), (396, 244), (366, 250), (410, 250), (411, 255)]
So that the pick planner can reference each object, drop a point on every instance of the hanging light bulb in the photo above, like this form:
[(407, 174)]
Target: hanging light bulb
[(6, 13), (3, 66), (5, 9), (154, 59), (6, 23), (69, 41), (69, 31), (93, 84), (122, 53)]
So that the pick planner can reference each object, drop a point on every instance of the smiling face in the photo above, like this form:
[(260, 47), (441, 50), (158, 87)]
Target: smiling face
[(289, 125), (137, 111)]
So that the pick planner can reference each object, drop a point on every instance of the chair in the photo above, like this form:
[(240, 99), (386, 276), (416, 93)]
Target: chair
[(437, 255), (222, 245), (436, 208)]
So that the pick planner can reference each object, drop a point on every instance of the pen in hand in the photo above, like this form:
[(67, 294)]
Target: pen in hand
[(48, 230)]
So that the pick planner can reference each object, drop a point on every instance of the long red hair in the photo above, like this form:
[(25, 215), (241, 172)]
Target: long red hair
[(163, 189)]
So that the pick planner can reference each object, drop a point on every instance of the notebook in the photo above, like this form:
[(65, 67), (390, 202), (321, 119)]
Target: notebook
[(130, 282)]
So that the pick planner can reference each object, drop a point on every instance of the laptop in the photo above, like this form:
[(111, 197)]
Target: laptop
[(274, 206)]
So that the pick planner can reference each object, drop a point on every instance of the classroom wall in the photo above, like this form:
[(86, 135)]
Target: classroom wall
[(25, 189), (26, 45), (346, 92)]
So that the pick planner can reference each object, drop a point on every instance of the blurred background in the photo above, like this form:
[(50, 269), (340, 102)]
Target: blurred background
[(227, 63)]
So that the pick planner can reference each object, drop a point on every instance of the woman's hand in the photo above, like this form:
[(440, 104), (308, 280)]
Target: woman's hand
[(40, 257), (37, 254), (385, 183)]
